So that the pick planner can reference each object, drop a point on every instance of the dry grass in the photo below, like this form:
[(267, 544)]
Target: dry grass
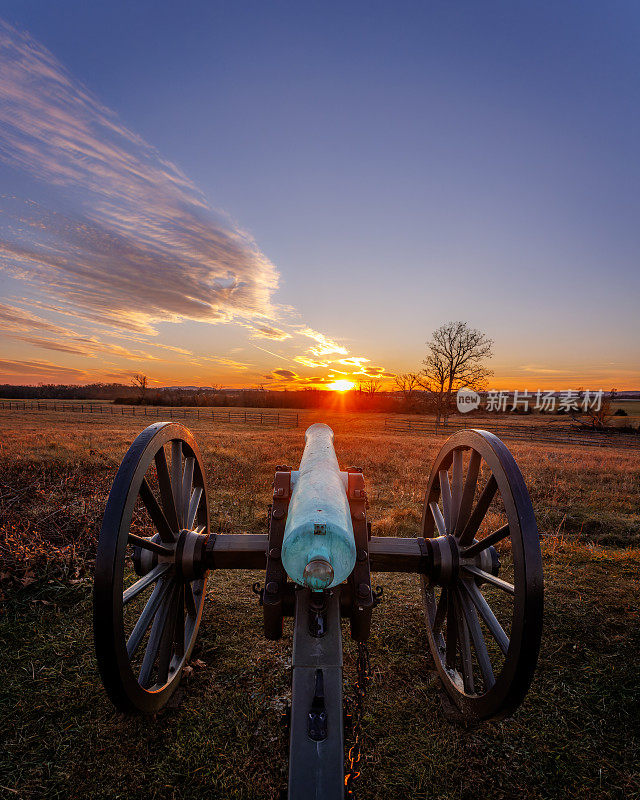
[(576, 736)]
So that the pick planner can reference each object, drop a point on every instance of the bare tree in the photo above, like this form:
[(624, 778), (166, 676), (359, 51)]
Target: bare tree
[(407, 383), (140, 382), (454, 360), (370, 386), (598, 415)]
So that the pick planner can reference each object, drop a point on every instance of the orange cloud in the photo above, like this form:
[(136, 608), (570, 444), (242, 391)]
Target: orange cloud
[(325, 345)]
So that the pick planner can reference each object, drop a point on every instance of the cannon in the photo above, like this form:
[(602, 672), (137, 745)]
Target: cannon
[(477, 555)]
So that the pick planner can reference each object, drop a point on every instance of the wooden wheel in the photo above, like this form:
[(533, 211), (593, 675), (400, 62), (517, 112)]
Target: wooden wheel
[(484, 599), (148, 592)]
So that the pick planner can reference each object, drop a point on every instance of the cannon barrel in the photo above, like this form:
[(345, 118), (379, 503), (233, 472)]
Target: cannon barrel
[(318, 548)]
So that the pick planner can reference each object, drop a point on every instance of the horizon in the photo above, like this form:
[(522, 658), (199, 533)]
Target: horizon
[(298, 197)]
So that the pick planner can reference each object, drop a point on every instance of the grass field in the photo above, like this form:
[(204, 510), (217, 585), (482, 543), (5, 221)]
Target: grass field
[(577, 735)]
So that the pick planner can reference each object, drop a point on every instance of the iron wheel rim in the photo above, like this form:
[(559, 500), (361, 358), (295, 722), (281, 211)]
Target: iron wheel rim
[(514, 678), (121, 682)]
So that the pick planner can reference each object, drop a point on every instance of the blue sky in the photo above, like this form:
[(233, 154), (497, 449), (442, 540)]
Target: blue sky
[(376, 169)]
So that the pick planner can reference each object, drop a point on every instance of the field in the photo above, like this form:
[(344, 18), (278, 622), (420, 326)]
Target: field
[(577, 735)]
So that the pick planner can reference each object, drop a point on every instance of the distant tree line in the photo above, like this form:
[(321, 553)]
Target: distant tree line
[(259, 398), (61, 391), (362, 398)]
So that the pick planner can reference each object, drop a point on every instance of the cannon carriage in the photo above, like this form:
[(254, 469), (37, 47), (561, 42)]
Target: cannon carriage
[(477, 557)]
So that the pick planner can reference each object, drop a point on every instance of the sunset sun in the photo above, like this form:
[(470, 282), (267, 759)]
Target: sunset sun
[(341, 386)]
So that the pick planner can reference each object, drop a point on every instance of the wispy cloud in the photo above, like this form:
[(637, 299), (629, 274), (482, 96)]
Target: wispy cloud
[(324, 346), (116, 239), (269, 332), (311, 362), (45, 370), (138, 242), (287, 377)]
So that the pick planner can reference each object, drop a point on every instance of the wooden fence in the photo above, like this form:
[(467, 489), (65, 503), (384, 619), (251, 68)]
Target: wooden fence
[(238, 416), (561, 434)]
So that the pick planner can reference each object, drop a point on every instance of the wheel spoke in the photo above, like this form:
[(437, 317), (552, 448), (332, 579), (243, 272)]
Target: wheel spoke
[(445, 493), (147, 615), (135, 589), (488, 541), (479, 512), (167, 639), (441, 611), (187, 483), (469, 491), (166, 492), (479, 645), (190, 602), (487, 615), (155, 638), (465, 645), (149, 544), (178, 635), (438, 518), (155, 512), (452, 632), (196, 496), (176, 477), (456, 488), (489, 578)]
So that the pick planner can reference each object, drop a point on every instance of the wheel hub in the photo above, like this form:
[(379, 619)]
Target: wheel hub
[(448, 558), (189, 557)]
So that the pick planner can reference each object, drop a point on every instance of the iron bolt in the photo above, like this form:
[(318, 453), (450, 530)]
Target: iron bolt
[(363, 590), (362, 555), (271, 587), (274, 552)]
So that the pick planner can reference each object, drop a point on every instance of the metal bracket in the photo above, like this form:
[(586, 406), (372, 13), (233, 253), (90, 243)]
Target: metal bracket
[(317, 725), (362, 600), (275, 575)]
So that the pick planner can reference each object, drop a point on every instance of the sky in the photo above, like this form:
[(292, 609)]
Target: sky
[(293, 193)]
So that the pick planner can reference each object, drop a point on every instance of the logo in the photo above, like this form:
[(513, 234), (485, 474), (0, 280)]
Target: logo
[(467, 400)]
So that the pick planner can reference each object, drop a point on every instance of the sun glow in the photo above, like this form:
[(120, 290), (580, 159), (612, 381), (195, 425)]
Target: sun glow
[(341, 386)]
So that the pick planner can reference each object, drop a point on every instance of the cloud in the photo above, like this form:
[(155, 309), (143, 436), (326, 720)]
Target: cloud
[(284, 374), (311, 362), (20, 324), (352, 361), (543, 370), (40, 369), (137, 242), (47, 344), (268, 332), (226, 362), (286, 377), (19, 319), (115, 237), (325, 346), (375, 372)]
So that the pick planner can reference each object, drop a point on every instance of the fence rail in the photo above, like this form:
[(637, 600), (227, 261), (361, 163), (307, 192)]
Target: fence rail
[(525, 433), (287, 420)]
